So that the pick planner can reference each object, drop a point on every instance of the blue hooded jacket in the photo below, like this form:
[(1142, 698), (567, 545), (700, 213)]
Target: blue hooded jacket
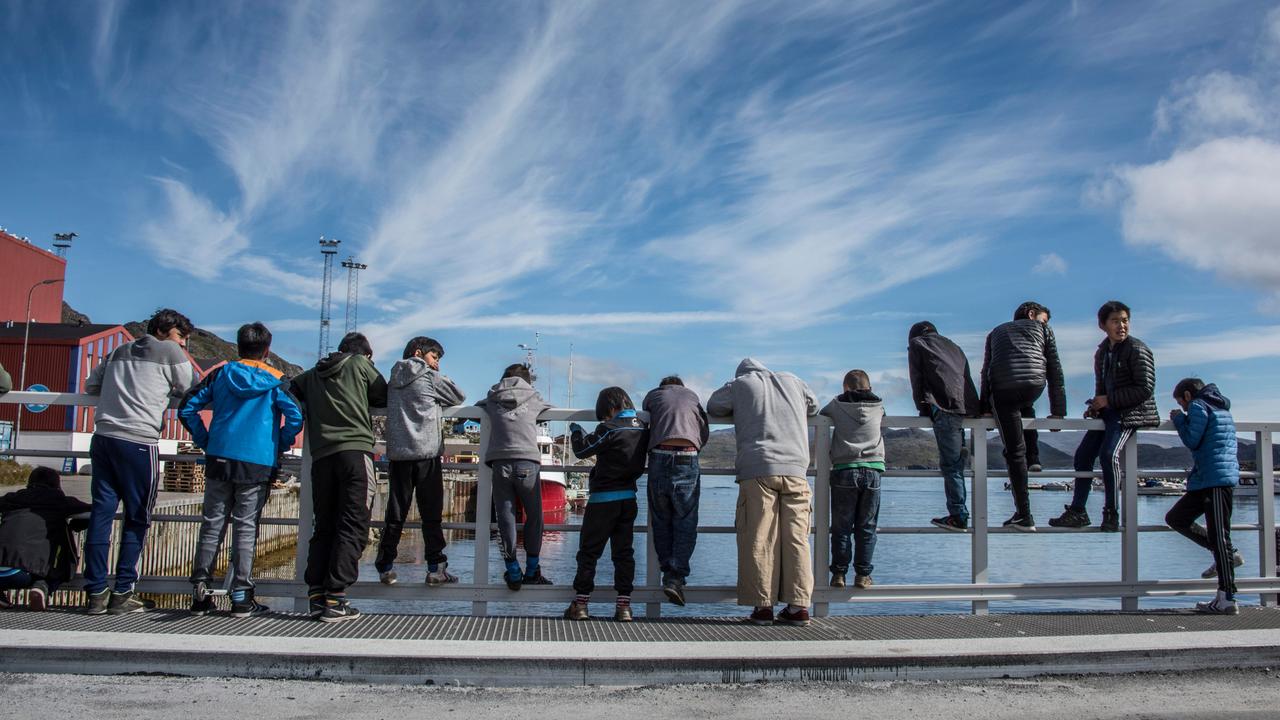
[(1209, 431), (248, 400)]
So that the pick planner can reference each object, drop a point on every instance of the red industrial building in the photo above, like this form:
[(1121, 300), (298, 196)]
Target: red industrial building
[(24, 265)]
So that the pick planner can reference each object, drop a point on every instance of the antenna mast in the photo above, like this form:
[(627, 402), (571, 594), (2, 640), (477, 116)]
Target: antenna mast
[(353, 290), (328, 248)]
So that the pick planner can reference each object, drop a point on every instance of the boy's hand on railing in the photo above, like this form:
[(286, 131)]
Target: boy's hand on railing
[(1055, 417), (575, 428)]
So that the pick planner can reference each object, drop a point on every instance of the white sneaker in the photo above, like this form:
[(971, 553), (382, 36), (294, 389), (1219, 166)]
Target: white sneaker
[(1212, 571), (441, 575), (1219, 605), (388, 577)]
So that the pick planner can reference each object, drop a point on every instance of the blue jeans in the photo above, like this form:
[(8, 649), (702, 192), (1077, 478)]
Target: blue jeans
[(855, 509), (674, 488), (1105, 445), (242, 503), (949, 435)]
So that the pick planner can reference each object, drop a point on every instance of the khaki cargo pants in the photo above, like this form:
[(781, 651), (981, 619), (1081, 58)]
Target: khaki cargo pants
[(772, 523)]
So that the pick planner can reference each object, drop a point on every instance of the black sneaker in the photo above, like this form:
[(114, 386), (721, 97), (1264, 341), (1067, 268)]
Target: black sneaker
[(1110, 521), (514, 579), (674, 590), (201, 603), (1034, 467), (950, 522), (1070, 518), (315, 604), (247, 607), (1021, 523), (128, 602), (96, 603), (338, 610), (38, 596), (537, 578)]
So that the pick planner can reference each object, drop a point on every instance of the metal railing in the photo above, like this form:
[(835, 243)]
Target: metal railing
[(979, 591)]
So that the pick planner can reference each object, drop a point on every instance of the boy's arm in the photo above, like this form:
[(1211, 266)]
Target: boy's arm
[(377, 388), (291, 410), (917, 380), (810, 400), (984, 393), (446, 392), (1143, 368), (704, 428), (721, 401), (1192, 425), (586, 444), (93, 386), (1099, 387), (197, 399), (182, 377), (827, 410), (972, 406), (1054, 375)]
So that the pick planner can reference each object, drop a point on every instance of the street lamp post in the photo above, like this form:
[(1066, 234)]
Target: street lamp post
[(26, 337)]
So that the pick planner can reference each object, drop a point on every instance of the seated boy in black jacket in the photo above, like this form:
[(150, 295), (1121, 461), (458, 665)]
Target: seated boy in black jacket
[(37, 552), (619, 444)]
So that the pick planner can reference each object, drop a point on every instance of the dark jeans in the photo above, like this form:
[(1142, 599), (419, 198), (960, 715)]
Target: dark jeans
[(413, 479), (235, 490), (1105, 445), (1215, 505), (1031, 438), (125, 473), (674, 489), (518, 481), (949, 435), (612, 522), (855, 509), (339, 498), (1008, 407)]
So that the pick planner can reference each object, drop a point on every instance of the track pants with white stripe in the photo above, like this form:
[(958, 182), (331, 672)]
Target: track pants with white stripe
[(124, 473), (340, 502), (1215, 505), (1105, 446)]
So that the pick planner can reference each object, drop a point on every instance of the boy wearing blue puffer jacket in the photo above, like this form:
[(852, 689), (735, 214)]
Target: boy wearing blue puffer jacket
[(1205, 426), (243, 443)]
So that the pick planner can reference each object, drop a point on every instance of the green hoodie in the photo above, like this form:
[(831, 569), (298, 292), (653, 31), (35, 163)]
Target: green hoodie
[(336, 396)]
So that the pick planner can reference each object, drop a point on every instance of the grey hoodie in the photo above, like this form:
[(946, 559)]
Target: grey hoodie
[(415, 395), (134, 384), (857, 438), (512, 407), (675, 412), (770, 412)]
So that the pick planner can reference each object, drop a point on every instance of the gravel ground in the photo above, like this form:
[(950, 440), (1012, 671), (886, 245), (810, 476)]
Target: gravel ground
[(1213, 694)]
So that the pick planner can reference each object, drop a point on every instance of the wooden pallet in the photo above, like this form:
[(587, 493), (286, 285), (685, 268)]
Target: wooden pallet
[(184, 477)]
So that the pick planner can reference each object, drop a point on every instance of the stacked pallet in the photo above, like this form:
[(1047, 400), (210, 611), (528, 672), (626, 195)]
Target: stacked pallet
[(184, 476)]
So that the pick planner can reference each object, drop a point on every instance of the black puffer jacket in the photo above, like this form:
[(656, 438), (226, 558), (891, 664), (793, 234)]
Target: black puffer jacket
[(34, 531), (1126, 374), (620, 445), (1022, 354)]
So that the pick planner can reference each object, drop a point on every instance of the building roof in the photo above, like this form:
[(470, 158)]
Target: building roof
[(53, 331)]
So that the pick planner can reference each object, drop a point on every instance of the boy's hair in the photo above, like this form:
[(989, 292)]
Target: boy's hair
[(44, 477), (857, 380), (253, 340), (921, 328), (518, 370), (1188, 385), (611, 401), (1109, 307), (167, 319), (423, 345), (671, 380), (354, 342), (1030, 309)]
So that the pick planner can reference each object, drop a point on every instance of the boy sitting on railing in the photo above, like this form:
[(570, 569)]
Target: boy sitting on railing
[(1206, 427), (857, 461), (619, 444), (37, 551)]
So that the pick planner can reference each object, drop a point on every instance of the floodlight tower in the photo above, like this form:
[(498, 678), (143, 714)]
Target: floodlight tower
[(61, 242), (328, 248), (353, 289)]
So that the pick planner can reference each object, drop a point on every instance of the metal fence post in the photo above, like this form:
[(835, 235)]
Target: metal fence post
[(652, 573), (1129, 537), (306, 523), (1266, 512), (484, 501), (821, 507), (978, 517)]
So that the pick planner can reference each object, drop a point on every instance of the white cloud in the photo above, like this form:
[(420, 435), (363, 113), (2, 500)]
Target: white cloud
[(1212, 105), (1247, 343), (1051, 264), (192, 235)]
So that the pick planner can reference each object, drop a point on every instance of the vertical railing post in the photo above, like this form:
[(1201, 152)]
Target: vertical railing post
[(821, 507), (652, 573), (1129, 537), (978, 510), (1266, 512), (484, 501), (306, 523)]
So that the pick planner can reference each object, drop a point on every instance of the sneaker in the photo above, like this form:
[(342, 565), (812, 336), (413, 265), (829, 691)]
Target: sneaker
[(622, 613), (1070, 518), (128, 602), (537, 578), (201, 603), (96, 603), (248, 606), (862, 582), (5, 602), (441, 575), (950, 522), (388, 577), (798, 618), (674, 590), (761, 616), (1110, 521), (1034, 467), (1212, 571), (338, 610), (38, 596), (1219, 605), (837, 580), (315, 604), (577, 611), (1021, 523), (514, 579)]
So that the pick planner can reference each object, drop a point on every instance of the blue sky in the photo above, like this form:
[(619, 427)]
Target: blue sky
[(667, 186)]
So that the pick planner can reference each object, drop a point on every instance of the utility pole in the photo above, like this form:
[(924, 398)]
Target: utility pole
[(353, 290), (61, 242), (328, 248)]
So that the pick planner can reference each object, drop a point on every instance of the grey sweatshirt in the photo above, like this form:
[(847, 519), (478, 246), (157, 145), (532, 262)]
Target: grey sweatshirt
[(134, 384), (856, 416), (675, 413), (415, 395), (770, 412), (512, 407)]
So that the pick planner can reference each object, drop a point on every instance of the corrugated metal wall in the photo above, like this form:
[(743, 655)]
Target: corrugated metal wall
[(25, 265)]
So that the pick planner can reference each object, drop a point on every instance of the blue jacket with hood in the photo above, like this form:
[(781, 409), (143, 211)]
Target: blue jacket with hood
[(248, 399), (1209, 431)]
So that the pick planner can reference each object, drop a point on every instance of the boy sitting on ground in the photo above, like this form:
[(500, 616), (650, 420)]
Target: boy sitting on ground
[(37, 551)]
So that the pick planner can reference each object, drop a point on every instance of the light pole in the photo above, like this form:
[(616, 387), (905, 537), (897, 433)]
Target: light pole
[(26, 337)]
